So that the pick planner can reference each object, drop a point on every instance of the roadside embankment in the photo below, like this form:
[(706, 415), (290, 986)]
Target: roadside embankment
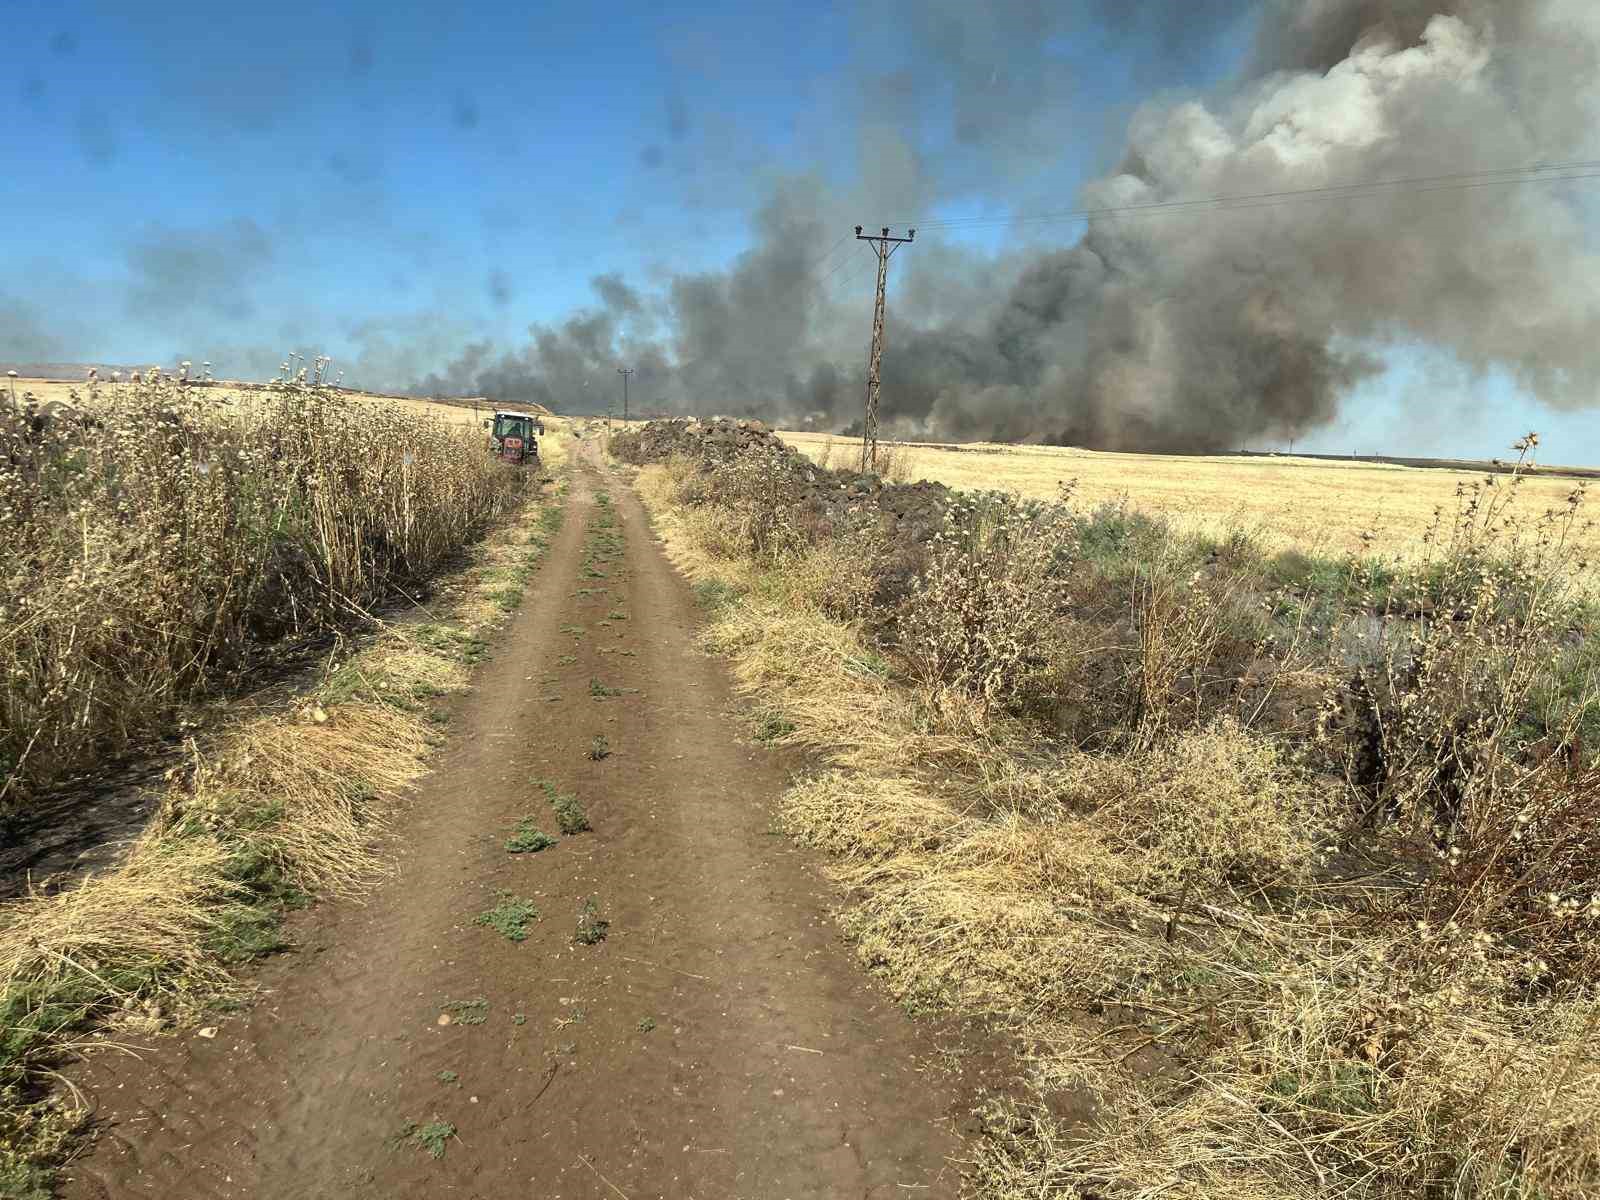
[(280, 792), (1285, 868)]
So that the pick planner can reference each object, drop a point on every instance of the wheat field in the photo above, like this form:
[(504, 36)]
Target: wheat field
[(46, 391), (1312, 505), (1315, 506)]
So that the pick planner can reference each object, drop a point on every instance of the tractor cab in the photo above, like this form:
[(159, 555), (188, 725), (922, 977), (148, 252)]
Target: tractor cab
[(514, 436)]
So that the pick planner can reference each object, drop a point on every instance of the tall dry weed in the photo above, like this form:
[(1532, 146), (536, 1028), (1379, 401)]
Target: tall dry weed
[(179, 533), (1479, 732), (1301, 1009), (986, 616)]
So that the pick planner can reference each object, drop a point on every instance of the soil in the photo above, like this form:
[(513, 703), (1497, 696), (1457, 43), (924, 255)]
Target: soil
[(721, 1041)]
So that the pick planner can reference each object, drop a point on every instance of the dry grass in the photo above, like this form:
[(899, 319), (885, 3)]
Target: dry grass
[(313, 792), (277, 801), (167, 545), (1312, 505), (155, 910), (1284, 1026)]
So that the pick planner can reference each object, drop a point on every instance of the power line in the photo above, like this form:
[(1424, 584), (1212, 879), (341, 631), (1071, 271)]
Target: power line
[(1504, 176), (830, 252), (843, 263), (839, 293), (1507, 176)]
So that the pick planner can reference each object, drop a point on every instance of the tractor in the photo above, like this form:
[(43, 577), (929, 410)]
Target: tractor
[(514, 437)]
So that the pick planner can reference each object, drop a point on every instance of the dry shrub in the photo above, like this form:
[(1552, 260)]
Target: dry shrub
[(985, 618), (397, 670), (1179, 630), (167, 544), (275, 803), (555, 447), (721, 531), (1214, 809), (135, 939), (283, 804), (751, 489), (871, 817), (1312, 1045), (1324, 1072), (660, 485), (894, 463), (828, 456), (1475, 730), (825, 681), (1526, 864), (841, 575)]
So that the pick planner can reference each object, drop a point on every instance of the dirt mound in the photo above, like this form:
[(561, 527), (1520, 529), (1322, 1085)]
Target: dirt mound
[(827, 501), (708, 442)]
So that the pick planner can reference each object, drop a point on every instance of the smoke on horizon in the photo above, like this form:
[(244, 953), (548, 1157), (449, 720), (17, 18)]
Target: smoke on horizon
[(1180, 332)]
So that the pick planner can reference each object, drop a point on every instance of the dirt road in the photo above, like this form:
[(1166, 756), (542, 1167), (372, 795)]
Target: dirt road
[(718, 1042)]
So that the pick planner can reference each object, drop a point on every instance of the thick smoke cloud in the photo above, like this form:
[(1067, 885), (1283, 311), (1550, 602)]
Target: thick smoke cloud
[(1168, 331)]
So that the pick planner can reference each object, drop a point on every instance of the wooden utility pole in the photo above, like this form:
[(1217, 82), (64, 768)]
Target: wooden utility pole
[(883, 245), (624, 372)]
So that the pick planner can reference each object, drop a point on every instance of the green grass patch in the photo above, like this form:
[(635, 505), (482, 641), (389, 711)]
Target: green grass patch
[(528, 839), (510, 917), (550, 518), (468, 1012), (506, 599), (432, 1137), (592, 927), (714, 595), (770, 726), (36, 1140), (449, 641), (245, 931), (570, 817)]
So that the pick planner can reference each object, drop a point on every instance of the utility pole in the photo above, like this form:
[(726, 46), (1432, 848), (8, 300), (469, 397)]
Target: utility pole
[(624, 372), (883, 245)]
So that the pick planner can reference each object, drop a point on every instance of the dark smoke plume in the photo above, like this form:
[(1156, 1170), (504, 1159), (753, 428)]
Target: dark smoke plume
[(1191, 331)]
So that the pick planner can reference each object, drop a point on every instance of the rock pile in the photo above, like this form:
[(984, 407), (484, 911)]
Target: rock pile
[(828, 502), (706, 441)]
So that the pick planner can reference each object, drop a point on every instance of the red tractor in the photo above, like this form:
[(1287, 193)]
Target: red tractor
[(514, 437)]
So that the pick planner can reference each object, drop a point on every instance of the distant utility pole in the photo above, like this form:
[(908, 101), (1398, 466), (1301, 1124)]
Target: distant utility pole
[(883, 245), (624, 372)]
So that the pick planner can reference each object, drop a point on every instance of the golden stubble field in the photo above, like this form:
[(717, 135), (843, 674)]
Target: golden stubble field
[(228, 393), (1313, 505)]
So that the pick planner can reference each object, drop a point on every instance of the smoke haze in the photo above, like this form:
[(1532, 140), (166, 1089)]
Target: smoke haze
[(1160, 331), (407, 190)]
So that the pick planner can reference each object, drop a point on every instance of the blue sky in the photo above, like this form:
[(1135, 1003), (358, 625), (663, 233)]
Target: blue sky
[(231, 182)]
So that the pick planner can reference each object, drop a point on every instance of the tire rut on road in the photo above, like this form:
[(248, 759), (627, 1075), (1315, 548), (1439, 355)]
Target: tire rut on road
[(719, 1042)]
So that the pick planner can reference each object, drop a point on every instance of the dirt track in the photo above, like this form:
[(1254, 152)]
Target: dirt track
[(720, 1042)]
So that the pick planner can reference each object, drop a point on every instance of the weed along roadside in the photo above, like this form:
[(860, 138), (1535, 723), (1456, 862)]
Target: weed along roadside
[(1285, 868), (282, 794), (588, 967), (1178, 867)]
